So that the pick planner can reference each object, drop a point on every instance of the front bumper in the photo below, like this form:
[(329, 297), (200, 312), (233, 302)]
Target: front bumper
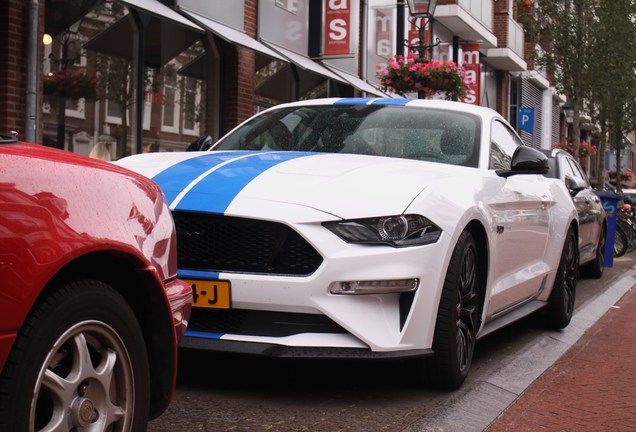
[(179, 295), (293, 316)]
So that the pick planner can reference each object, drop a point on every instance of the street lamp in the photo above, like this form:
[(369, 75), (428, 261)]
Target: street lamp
[(422, 8), (422, 11), (568, 110)]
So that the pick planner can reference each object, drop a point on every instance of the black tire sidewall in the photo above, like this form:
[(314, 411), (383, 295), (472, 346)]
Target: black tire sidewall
[(444, 368), (557, 314), (72, 303)]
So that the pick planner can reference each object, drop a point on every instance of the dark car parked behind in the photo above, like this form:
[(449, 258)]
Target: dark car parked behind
[(593, 226)]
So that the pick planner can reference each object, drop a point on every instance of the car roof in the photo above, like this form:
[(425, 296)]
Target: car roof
[(428, 103)]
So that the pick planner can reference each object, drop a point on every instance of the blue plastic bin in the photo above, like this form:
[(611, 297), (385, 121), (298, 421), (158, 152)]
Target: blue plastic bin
[(611, 205)]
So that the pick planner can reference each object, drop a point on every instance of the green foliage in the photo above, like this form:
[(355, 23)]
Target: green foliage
[(564, 31)]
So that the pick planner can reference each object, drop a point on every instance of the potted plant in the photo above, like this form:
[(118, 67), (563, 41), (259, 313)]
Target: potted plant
[(405, 75)]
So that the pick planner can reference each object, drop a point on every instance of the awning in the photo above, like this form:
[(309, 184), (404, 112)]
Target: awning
[(62, 14), (305, 63), (158, 9), (231, 35), (356, 82), (166, 35)]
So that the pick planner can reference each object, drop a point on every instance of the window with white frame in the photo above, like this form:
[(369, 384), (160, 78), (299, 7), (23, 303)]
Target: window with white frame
[(118, 90), (191, 101), (170, 109)]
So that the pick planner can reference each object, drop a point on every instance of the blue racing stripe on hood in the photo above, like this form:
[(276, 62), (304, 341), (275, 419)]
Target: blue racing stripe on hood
[(176, 178), (372, 101), (388, 101), (215, 192), (353, 101)]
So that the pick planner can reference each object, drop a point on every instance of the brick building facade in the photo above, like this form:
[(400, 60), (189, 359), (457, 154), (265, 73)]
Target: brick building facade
[(231, 86)]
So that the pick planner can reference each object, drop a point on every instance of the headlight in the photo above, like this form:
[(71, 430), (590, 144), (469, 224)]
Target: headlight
[(396, 231)]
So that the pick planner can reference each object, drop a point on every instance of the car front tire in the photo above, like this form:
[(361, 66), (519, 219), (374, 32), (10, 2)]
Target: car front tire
[(78, 362), (457, 318), (561, 301)]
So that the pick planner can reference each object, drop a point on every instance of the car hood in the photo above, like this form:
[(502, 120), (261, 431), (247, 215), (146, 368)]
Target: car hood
[(342, 185)]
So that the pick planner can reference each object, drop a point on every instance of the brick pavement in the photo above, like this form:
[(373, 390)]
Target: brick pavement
[(592, 387)]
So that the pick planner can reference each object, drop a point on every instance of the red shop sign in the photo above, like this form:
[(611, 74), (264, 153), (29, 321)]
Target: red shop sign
[(337, 28)]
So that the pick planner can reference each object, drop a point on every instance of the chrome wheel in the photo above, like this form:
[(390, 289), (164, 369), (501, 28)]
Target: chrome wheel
[(79, 363), (85, 382)]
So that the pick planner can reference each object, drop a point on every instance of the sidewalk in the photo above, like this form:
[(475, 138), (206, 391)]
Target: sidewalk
[(592, 387)]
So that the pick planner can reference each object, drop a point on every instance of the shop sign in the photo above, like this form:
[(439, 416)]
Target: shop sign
[(384, 32), (337, 28), (290, 6), (470, 61)]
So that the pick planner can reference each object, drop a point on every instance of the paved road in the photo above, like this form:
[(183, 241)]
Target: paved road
[(234, 393)]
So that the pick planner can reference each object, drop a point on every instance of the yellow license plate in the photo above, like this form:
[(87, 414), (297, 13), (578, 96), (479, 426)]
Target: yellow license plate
[(210, 294)]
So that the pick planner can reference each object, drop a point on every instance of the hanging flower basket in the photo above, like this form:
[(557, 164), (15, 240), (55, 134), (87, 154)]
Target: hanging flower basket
[(585, 148), (71, 85), (625, 175), (404, 75)]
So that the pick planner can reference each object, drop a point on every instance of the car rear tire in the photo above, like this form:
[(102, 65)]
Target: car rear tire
[(457, 318), (79, 361), (596, 267), (561, 301)]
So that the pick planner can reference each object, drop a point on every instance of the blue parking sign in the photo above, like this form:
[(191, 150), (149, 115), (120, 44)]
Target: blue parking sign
[(525, 119)]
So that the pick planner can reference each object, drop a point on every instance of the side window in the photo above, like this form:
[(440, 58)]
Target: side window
[(503, 144), (578, 171), (568, 169)]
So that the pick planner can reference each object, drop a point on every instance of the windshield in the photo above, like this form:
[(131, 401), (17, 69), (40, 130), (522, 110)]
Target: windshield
[(395, 131)]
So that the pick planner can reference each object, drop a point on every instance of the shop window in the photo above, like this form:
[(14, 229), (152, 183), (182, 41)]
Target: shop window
[(174, 104)]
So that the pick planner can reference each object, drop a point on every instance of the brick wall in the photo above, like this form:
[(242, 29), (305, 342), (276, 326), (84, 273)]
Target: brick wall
[(239, 69), (503, 84), (500, 23), (13, 21), (14, 15)]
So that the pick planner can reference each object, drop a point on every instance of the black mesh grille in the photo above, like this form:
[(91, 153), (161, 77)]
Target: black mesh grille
[(222, 243), (260, 323)]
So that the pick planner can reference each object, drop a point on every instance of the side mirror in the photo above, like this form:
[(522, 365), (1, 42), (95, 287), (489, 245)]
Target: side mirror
[(575, 185), (526, 160)]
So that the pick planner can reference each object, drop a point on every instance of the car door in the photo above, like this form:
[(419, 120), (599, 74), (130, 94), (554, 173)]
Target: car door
[(587, 205), (520, 214)]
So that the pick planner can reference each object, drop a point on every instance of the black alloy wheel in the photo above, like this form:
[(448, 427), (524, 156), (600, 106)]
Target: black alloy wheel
[(458, 317), (561, 302)]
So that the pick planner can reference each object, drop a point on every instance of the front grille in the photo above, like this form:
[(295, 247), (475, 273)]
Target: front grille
[(232, 244)]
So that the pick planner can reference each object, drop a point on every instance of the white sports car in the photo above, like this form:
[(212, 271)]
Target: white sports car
[(368, 228)]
